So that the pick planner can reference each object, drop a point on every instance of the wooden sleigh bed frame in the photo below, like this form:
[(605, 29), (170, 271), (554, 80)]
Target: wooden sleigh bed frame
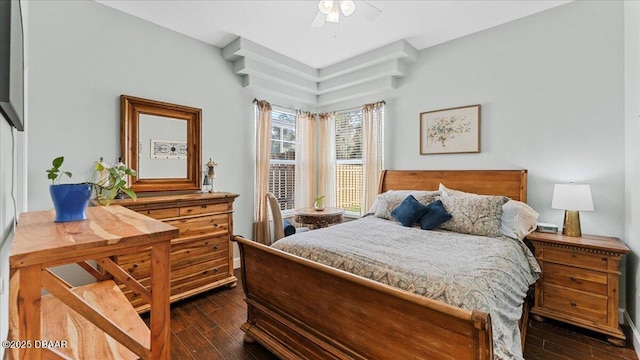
[(300, 309)]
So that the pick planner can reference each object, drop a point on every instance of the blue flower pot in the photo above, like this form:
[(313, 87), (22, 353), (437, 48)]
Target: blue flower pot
[(70, 201)]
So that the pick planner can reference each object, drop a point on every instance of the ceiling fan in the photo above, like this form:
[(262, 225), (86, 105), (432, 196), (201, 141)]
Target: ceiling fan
[(329, 11)]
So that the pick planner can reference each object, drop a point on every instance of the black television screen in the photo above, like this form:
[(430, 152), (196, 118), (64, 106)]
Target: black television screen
[(11, 63)]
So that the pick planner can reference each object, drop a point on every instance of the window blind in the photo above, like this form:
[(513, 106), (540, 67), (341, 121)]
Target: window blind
[(348, 168), (283, 154)]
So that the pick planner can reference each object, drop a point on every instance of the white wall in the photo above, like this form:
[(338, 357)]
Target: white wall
[(632, 159), (84, 55), (551, 89)]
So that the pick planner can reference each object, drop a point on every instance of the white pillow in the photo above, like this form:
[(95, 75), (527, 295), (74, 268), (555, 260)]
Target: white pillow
[(518, 219)]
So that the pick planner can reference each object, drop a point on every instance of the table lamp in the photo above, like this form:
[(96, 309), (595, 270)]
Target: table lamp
[(572, 198)]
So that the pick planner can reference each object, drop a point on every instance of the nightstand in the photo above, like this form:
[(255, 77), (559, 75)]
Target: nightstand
[(579, 282)]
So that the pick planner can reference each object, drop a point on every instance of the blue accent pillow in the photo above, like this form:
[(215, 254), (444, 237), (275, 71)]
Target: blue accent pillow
[(435, 216), (289, 229), (409, 211)]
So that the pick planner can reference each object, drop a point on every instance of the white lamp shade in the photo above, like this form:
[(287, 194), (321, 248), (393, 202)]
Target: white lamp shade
[(575, 197)]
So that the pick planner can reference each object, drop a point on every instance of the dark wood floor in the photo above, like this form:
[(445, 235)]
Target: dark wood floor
[(208, 327)]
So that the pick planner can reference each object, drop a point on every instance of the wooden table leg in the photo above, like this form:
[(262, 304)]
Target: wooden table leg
[(161, 289), (29, 312)]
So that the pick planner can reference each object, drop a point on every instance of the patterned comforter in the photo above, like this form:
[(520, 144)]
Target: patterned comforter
[(467, 271)]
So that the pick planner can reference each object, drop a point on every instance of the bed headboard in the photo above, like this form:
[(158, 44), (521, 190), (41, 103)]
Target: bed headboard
[(511, 183)]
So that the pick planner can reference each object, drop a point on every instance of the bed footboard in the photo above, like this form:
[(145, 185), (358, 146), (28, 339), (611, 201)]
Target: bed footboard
[(300, 309)]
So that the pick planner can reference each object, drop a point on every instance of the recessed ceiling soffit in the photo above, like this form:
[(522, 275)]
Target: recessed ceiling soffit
[(367, 74)]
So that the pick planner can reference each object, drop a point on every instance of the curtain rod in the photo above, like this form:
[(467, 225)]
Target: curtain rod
[(357, 107), (255, 100), (281, 106)]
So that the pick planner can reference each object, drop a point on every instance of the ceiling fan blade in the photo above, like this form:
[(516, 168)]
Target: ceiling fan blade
[(319, 20), (370, 11)]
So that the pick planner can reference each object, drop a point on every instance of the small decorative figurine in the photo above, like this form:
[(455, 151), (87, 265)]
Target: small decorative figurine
[(210, 175)]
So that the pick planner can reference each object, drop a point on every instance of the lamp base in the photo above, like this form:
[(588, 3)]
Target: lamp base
[(571, 226)]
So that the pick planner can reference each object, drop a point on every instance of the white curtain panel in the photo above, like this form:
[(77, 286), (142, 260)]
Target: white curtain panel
[(372, 151), (261, 231), (305, 189)]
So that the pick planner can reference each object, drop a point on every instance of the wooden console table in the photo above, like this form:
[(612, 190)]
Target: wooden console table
[(83, 322)]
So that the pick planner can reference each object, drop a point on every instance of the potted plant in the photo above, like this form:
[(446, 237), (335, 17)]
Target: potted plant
[(111, 181), (70, 200), (318, 202)]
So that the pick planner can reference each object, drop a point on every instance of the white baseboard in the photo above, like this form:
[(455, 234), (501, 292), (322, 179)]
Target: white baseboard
[(236, 263), (634, 332)]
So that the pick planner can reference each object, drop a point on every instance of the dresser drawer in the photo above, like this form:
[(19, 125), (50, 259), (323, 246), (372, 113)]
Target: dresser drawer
[(161, 213), (185, 279), (202, 225), (186, 253), (575, 303), (573, 257), (575, 278), (203, 209)]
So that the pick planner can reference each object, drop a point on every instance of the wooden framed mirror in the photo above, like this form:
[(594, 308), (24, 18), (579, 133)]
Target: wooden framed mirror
[(162, 142)]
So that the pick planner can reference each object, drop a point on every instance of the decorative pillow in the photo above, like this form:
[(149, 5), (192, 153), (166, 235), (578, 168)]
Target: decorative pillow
[(475, 215), (386, 202), (409, 211), (436, 215), (444, 191), (518, 219), (289, 229)]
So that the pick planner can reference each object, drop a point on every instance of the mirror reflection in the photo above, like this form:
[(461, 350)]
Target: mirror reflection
[(162, 147)]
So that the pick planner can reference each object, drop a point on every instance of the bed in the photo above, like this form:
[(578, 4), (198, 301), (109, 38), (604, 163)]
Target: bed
[(299, 308)]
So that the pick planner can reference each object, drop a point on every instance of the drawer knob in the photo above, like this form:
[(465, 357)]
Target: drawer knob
[(216, 247), (135, 265), (573, 278), (203, 206), (573, 254), (573, 303), (148, 212), (215, 270)]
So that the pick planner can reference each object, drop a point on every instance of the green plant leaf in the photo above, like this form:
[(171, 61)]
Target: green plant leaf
[(57, 162), (130, 192)]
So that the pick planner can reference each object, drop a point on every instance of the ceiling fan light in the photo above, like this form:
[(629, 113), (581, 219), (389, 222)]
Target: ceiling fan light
[(347, 7), (325, 6), (334, 15)]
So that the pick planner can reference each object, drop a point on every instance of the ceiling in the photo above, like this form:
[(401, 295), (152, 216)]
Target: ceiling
[(284, 26)]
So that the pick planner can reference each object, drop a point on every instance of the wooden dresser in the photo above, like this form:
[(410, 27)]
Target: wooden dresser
[(579, 283), (201, 256)]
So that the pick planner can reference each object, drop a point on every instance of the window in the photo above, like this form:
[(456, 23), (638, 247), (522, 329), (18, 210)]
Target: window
[(348, 168), (282, 167)]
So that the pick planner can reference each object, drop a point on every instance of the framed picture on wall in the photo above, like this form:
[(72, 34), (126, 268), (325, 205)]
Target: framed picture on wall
[(450, 131)]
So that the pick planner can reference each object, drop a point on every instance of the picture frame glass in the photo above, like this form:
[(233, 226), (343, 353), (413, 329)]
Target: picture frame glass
[(450, 131)]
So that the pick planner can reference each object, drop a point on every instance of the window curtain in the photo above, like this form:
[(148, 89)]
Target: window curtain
[(261, 231), (305, 159), (326, 158), (372, 150)]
